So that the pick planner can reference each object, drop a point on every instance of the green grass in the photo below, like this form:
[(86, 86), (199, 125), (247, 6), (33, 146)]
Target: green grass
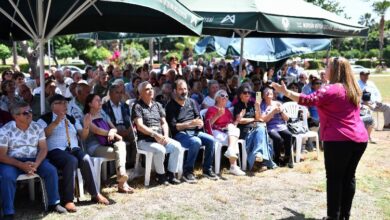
[(383, 85)]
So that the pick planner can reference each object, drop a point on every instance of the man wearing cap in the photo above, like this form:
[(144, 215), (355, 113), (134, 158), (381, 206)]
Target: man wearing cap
[(33, 101), (65, 153), (376, 99), (76, 105), (22, 151)]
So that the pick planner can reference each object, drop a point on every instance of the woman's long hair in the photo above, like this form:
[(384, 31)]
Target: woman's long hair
[(341, 72), (88, 100)]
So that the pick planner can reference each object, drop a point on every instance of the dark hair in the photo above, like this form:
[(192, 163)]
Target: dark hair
[(16, 106), (177, 82), (48, 82), (135, 78), (17, 75), (242, 88), (4, 73), (4, 84), (88, 100)]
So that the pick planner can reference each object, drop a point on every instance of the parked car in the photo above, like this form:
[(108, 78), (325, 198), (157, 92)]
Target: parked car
[(357, 69), (73, 69)]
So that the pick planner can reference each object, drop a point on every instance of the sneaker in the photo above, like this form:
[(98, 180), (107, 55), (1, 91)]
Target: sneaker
[(189, 178), (57, 208), (235, 170), (371, 141), (229, 154), (210, 175), (172, 179), (161, 179), (259, 157)]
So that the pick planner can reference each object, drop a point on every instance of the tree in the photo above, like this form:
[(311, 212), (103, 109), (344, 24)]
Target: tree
[(367, 21), (32, 56), (95, 54), (329, 5), (5, 53), (380, 8)]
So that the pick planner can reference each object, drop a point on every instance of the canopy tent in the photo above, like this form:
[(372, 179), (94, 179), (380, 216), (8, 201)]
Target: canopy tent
[(271, 18), (116, 35), (41, 20), (261, 49)]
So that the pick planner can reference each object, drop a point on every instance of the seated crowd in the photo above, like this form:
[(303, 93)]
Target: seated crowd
[(183, 109)]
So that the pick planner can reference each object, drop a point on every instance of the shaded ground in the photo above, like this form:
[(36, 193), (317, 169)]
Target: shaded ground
[(283, 193)]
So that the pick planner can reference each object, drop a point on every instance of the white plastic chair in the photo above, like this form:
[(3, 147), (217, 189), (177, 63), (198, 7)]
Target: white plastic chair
[(139, 171), (218, 150), (31, 187), (292, 109)]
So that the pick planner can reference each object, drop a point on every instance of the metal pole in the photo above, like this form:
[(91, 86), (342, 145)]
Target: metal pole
[(15, 53), (151, 52), (42, 73), (49, 52), (241, 59)]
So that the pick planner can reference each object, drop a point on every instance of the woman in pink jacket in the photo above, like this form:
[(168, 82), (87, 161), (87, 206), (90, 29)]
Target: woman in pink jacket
[(343, 132)]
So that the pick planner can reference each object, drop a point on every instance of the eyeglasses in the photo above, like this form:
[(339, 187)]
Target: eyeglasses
[(8, 73), (26, 113)]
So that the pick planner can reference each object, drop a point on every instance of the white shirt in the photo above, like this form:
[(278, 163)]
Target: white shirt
[(58, 138), (62, 87), (369, 86), (74, 109), (21, 144), (117, 112)]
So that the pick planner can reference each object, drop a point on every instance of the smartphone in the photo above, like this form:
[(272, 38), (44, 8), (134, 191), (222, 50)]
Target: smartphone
[(258, 97)]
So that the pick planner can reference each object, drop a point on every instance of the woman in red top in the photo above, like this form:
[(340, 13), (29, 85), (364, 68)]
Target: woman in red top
[(219, 123)]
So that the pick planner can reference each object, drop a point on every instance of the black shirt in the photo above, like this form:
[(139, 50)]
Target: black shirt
[(180, 114), (249, 113), (151, 117)]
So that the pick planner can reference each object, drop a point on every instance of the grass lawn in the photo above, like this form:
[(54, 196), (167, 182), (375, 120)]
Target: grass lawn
[(383, 84)]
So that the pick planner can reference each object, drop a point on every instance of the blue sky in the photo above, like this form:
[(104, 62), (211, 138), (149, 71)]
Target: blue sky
[(355, 8)]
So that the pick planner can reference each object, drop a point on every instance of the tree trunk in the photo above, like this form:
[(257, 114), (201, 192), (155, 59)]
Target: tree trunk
[(381, 35), (3, 61), (32, 58), (54, 55)]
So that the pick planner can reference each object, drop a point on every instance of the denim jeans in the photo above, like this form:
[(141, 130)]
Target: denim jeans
[(9, 174), (257, 142), (193, 144), (173, 148)]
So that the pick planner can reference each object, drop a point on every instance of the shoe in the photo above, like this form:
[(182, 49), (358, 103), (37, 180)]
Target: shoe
[(290, 163), (100, 199), (189, 178), (229, 154), (263, 168), (70, 207), (371, 141), (172, 179), (259, 157), (161, 179), (8, 217), (57, 208), (386, 126), (210, 175), (235, 170)]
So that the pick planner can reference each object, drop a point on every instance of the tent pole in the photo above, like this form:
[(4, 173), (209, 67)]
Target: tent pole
[(49, 52), (242, 34), (151, 52), (32, 35), (15, 53), (42, 73)]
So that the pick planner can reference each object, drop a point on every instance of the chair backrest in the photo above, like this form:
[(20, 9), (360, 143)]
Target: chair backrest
[(202, 113), (292, 109)]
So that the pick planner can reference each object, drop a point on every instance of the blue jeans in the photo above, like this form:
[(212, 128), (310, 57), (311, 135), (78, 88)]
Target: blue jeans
[(257, 142), (193, 144), (9, 174)]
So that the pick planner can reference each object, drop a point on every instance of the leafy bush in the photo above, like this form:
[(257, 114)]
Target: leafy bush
[(4, 67), (372, 53), (95, 54), (354, 53), (365, 63), (5, 52), (173, 53), (141, 49), (315, 64)]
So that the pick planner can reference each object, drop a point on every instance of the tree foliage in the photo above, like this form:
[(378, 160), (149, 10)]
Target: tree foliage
[(5, 53), (95, 54)]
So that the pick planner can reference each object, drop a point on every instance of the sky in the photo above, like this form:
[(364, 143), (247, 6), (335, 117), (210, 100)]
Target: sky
[(356, 8)]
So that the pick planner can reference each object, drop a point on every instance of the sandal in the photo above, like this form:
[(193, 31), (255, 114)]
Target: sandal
[(125, 189)]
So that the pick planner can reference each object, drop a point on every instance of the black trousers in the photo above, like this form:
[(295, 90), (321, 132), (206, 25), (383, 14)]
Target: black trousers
[(68, 162), (341, 160), (281, 139)]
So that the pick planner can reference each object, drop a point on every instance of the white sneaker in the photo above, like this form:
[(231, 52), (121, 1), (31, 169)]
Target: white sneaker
[(235, 170), (259, 157), (229, 154)]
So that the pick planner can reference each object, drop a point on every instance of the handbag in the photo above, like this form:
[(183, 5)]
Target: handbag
[(101, 123), (296, 127)]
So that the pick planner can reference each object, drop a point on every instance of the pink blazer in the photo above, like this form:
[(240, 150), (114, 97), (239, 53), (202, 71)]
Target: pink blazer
[(339, 118)]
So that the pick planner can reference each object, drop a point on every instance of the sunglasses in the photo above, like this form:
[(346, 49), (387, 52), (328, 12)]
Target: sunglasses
[(246, 92), (60, 103), (26, 113), (223, 95)]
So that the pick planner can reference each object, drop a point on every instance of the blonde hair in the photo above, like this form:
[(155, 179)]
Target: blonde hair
[(341, 72)]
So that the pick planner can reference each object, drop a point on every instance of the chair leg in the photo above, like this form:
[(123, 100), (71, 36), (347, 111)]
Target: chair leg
[(31, 188), (318, 147), (80, 184), (98, 169), (148, 167), (44, 195), (217, 159), (298, 149)]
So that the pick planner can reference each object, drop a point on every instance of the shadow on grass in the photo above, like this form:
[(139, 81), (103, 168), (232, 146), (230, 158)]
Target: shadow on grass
[(296, 215)]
